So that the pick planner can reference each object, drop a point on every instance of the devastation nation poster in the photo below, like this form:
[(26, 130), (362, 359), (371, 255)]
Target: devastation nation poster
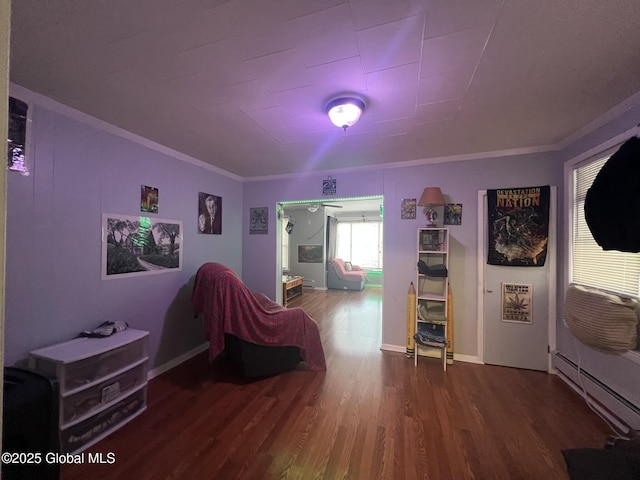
[(518, 226)]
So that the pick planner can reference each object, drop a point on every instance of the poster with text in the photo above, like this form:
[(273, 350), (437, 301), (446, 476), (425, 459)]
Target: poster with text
[(518, 226), (517, 301)]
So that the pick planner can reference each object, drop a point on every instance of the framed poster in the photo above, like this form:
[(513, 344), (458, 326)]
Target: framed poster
[(134, 246), (310, 254), (518, 226), (258, 220), (517, 302), (209, 214)]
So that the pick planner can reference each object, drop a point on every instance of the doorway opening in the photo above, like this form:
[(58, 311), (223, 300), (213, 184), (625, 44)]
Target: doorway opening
[(355, 226)]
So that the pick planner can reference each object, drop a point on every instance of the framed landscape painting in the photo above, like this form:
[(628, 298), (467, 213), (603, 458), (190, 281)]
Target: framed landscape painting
[(310, 254), (138, 245)]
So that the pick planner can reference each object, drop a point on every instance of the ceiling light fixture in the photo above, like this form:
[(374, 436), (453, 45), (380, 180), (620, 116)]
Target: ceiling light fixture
[(345, 111)]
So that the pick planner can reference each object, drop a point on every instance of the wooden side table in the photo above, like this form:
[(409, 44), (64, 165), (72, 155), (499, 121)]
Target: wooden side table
[(291, 288)]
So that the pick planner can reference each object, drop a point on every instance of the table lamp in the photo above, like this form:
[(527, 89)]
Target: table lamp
[(431, 197)]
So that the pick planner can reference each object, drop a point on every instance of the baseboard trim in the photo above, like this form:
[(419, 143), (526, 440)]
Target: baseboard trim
[(467, 358), (456, 356), (393, 348), (154, 372)]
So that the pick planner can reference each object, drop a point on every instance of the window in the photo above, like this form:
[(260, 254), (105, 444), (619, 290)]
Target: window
[(590, 265), (361, 243)]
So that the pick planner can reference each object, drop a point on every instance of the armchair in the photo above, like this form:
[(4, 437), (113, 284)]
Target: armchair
[(340, 277)]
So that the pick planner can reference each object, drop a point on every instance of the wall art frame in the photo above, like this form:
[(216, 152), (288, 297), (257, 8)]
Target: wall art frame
[(517, 303), (149, 198), (408, 209), (258, 220), (138, 245), (310, 253)]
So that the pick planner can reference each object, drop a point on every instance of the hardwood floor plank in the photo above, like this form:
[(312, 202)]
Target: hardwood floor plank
[(371, 415)]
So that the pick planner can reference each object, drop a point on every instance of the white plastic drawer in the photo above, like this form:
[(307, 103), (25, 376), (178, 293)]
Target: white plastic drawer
[(86, 371), (80, 361), (83, 402), (98, 426), (82, 372)]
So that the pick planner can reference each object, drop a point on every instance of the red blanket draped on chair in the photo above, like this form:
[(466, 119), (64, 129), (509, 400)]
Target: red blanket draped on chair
[(228, 306)]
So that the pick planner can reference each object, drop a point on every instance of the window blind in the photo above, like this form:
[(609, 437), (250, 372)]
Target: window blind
[(592, 266)]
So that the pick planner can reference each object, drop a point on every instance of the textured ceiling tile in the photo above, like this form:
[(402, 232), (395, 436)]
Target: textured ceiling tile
[(401, 126), (392, 44), (292, 9), (456, 51), (342, 76), (448, 16), (216, 60), (301, 101), (254, 46), (248, 96), (438, 111), (446, 86), (325, 36), (287, 135), (397, 81), (393, 107), (372, 13), (281, 71), (271, 118)]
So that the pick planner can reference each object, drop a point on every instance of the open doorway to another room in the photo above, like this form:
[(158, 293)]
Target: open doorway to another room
[(312, 233)]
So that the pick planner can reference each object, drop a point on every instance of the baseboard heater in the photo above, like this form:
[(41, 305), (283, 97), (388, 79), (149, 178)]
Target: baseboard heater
[(308, 283), (616, 408)]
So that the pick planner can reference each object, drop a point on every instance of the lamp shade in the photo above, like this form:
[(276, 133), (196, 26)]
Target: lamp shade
[(345, 111), (431, 196)]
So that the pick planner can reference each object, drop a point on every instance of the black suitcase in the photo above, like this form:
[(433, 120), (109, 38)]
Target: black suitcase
[(30, 424)]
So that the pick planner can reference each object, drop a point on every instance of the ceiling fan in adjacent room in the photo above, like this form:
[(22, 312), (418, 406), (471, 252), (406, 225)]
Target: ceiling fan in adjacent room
[(313, 207)]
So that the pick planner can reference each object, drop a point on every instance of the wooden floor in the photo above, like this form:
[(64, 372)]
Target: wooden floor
[(371, 415)]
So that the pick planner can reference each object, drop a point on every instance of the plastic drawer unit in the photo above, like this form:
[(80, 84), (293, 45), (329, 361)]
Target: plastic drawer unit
[(103, 384)]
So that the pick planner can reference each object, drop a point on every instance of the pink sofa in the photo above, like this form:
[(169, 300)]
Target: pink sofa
[(339, 276)]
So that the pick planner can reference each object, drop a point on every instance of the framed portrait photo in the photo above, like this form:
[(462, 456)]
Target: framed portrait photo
[(209, 214)]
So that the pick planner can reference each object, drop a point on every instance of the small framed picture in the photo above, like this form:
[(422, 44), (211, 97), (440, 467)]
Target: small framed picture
[(408, 209), (329, 186), (453, 214), (258, 220), (149, 199)]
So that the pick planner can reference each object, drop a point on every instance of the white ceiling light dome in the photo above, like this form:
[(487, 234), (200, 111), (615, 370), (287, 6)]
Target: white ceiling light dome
[(345, 111)]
